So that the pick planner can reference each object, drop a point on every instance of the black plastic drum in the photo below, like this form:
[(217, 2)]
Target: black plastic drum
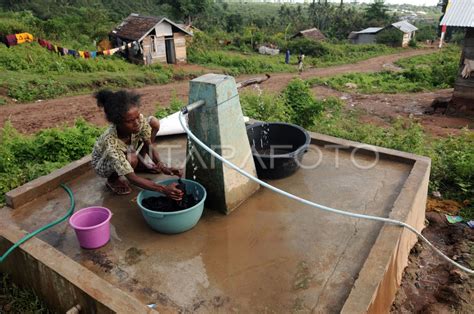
[(277, 148)]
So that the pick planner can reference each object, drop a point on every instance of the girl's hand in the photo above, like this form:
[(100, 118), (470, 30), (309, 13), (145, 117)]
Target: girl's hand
[(173, 192), (170, 171), (177, 172)]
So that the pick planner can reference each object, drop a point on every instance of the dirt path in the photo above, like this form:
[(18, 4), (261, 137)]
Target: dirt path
[(32, 117)]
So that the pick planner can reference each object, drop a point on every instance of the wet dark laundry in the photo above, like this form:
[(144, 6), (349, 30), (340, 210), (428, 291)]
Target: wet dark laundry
[(165, 204)]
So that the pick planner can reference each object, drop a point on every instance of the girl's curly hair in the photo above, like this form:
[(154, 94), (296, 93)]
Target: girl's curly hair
[(116, 104)]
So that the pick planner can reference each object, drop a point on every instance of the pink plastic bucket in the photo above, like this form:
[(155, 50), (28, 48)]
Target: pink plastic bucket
[(92, 226)]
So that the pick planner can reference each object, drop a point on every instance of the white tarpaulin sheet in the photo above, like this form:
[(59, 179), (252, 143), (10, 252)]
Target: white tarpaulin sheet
[(268, 51)]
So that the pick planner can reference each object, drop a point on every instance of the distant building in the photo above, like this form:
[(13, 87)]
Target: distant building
[(365, 36), (407, 31), (312, 33), (461, 14), (158, 39)]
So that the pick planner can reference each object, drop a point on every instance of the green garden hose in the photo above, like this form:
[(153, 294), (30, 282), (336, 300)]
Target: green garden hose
[(30, 235)]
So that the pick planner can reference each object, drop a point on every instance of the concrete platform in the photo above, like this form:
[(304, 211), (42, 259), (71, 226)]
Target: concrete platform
[(271, 255)]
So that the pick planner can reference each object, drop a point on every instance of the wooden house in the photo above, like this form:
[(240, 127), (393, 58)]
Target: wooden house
[(158, 39), (407, 31), (461, 14), (312, 33)]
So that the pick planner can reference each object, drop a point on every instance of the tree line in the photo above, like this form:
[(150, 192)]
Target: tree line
[(63, 18)]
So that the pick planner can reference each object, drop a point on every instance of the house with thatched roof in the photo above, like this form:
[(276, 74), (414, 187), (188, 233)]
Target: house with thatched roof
[(157, 39), (312, 33)]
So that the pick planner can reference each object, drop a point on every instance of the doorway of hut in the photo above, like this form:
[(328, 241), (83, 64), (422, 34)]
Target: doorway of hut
[(170, 52)]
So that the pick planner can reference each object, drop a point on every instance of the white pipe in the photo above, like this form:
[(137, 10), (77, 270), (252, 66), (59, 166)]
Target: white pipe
[(306, 202)]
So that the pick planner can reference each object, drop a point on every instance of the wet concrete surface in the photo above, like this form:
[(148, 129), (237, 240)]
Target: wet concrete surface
[(271, 254)]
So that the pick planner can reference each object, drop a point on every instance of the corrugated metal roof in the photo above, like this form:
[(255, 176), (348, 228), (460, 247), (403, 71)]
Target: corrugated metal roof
[(405, 27), (459, 13), (370, 30)]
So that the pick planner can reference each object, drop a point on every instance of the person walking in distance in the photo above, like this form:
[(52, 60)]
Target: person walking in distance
[(300, 62)]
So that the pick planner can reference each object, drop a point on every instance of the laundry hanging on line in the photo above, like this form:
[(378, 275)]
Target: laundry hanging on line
[(15, 39), (84, 54)]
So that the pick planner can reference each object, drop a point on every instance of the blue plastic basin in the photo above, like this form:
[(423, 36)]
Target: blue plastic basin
[(174, 222)]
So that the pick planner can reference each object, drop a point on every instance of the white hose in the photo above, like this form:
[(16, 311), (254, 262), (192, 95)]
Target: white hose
[(304, 201)]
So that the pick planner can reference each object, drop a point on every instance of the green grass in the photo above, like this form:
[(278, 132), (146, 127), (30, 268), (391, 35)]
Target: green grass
[(29, 72), (27, 87), (24, 158), (446, 55), (237, 63), (337, 54), (234, 63), (420, 73), (17, 300)]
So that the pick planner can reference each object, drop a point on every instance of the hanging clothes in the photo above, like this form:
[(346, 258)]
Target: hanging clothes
[(71, 52), (42, 42), (23, 38), (10, 40), (55, 48), (112, 51), (86, 54), (93, 54), (81, 54)]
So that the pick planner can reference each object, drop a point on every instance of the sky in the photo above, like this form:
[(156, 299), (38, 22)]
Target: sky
[(414, 2)]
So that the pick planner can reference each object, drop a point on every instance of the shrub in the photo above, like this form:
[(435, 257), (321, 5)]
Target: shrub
[(304, 108), (453, 166), (426, 32), (175, 105), (308, 47), (265, 106), (391, 37)]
